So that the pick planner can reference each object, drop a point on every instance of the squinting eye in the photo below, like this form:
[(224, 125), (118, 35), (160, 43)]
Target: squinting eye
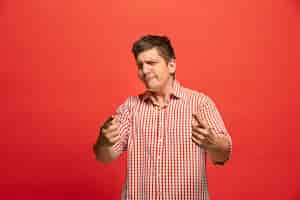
[(151, 63), (139, 65)]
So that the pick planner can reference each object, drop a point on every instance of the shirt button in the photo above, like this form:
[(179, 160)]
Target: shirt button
[(158, 157)]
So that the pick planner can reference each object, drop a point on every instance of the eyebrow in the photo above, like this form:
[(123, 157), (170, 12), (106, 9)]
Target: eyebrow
[(150, 60), (147, 61)]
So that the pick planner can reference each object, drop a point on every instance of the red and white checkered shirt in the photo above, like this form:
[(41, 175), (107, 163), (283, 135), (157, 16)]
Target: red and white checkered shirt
[(163, 161)]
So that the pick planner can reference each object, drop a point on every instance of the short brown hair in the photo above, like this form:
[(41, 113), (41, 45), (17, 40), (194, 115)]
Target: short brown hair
[(162, 43)]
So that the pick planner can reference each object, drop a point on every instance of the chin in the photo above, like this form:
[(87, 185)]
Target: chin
[(152, 88), (153, 85)]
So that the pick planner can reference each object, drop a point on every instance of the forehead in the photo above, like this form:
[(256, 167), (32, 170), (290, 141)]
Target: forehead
[(150, 54)]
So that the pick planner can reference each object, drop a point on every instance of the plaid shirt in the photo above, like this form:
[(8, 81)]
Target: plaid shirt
[(163, 162)]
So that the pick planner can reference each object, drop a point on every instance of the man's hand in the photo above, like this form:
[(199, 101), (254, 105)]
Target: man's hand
[(109, 132), (202, 134), (109, 135)]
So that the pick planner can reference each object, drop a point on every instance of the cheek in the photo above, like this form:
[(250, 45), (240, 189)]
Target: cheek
[(140, 74), (162, 73)]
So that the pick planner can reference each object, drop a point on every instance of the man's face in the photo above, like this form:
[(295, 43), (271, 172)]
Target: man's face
[(153, 70)]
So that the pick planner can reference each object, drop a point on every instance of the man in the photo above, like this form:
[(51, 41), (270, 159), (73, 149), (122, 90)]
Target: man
[(166, 131)]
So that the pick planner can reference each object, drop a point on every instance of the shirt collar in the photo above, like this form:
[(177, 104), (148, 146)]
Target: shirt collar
[(176, 92)]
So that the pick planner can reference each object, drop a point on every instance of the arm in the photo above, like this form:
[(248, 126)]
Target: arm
[(104, 153), (209, 132), (113, 137), (108, 137), (218, 146)]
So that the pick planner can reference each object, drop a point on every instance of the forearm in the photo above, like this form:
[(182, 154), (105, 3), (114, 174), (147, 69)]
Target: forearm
[(104, 153), (221, 152)]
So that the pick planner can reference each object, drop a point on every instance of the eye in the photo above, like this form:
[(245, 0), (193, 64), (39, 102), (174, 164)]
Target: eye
[(151, 62), (140, 65)]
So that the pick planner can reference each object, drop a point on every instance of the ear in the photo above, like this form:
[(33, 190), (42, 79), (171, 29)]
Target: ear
[(172, 66)]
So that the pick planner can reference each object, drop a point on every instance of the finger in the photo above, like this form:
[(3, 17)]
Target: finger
[(197, 142), (111, 134), (109, 127), (194, 139), (196, 117), (115, 139), (111, 118), (209, 137), (203, 135), (201, 131), (107, 130), (210, 140), (198, 136), (195, 121), (213, 132), (114, 120), (201, 122), (212, 135), (200, 143), (108, 122), (112, 138), (112, 127)]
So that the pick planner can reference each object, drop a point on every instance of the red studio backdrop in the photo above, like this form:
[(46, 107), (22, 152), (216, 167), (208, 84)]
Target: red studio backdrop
[(67, 65)]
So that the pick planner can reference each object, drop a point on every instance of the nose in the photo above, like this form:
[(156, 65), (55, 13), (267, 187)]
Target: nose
[(146, 68)]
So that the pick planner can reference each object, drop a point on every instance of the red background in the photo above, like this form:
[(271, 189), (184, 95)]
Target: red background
[(66, 66)]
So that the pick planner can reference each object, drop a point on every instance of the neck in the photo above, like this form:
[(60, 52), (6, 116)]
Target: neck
[(162, 96)]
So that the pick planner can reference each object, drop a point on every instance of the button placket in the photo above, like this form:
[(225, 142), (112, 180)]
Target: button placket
[(160, 134)]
